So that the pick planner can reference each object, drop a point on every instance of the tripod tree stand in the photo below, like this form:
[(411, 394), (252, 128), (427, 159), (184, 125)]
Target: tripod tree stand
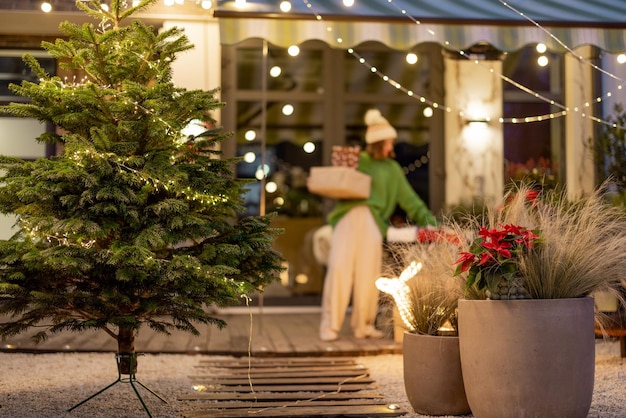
[(131, 379)]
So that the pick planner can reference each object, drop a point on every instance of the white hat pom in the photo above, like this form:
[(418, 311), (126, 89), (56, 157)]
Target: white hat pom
[(378, 128), (373, 117)]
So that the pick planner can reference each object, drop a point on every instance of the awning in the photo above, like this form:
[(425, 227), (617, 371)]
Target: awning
[(456, 24)]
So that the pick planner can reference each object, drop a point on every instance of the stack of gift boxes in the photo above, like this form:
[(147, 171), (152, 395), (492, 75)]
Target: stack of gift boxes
[(345, 156)]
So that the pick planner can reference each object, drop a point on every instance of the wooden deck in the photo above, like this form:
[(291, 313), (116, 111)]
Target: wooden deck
[(286, 387), (270, 331)]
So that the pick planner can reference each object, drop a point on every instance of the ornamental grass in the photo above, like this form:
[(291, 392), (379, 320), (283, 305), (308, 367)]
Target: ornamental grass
[(581, 247)]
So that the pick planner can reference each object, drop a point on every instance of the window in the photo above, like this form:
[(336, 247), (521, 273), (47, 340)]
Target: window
[(533, 150), (309, 102)]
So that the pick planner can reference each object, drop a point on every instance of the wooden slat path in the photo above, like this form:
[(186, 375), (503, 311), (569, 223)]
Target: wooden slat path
[(285, 387), (283, 396)]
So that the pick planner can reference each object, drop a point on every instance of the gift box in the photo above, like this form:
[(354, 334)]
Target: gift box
[(339, 182), (402, 234), (345, 156)]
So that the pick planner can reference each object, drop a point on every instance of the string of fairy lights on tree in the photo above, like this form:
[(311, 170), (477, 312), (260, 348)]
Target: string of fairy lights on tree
[(124, 163), (514, 120)]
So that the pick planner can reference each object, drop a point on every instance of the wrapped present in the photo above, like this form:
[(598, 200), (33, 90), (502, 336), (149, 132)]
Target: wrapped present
[(345, 156), (339, 182), (426, 235), (402, 234), (431, 235)]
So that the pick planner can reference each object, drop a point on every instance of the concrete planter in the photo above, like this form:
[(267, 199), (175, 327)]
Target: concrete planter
[(528, 358), (432, 375)]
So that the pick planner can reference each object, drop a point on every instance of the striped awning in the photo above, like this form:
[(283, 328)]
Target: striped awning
[(458, 24)]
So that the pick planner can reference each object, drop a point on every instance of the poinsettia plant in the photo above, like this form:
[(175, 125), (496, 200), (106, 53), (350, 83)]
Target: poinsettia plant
[(546, 244), (495, 254)]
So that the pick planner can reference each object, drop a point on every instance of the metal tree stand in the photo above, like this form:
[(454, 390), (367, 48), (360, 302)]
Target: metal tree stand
[(130, 379)]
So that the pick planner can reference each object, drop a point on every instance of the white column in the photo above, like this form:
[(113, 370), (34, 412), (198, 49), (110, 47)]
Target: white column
[(579, 170), (474, 151)]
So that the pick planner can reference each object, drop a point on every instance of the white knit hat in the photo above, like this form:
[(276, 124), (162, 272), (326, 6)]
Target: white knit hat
[(378, 128)]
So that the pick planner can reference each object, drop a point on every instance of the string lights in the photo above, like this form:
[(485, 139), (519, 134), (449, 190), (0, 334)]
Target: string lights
[(50, 6), (561, 43), (205, 4), (124, 166), (124, 163), (515, 120), (583, 110)]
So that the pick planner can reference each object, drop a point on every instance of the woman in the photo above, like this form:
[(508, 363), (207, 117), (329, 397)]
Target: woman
[(355, 259)]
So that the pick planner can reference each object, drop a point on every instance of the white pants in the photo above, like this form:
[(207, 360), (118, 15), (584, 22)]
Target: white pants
[(354, 264)]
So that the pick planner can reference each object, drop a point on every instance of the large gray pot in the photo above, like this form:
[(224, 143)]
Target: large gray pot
[(528, 358), (432, 375)]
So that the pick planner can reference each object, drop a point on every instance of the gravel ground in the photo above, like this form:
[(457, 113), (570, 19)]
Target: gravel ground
[(46, 385)]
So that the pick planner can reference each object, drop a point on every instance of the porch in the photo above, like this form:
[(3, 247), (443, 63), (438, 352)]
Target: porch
[(268, 331)]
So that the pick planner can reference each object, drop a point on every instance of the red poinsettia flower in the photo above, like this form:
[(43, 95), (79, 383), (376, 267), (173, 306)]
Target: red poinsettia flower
[(528, 237), (486, 259), (495, 254), (466, 260)]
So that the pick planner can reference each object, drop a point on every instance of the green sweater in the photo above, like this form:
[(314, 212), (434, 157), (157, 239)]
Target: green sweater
[(389, 188)]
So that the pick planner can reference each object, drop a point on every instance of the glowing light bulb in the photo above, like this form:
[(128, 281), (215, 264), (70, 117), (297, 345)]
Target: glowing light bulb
[(293, 50), (250, 135), (285, 6), (249, 157), (46, 7), (287, 110), (271, 187), (542, 61), (275, 71), (308, 147), (541, 48), (206, 4), (411, 58), (262, 172)]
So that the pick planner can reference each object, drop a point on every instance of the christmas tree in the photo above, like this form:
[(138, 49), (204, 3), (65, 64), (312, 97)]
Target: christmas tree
[(132, 223)]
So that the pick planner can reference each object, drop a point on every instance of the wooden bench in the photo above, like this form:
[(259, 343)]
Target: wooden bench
[(614, 325)]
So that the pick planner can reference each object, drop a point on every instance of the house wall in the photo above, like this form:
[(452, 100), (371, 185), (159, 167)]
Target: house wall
[(201, 67), (18, 139), (474, 151)]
